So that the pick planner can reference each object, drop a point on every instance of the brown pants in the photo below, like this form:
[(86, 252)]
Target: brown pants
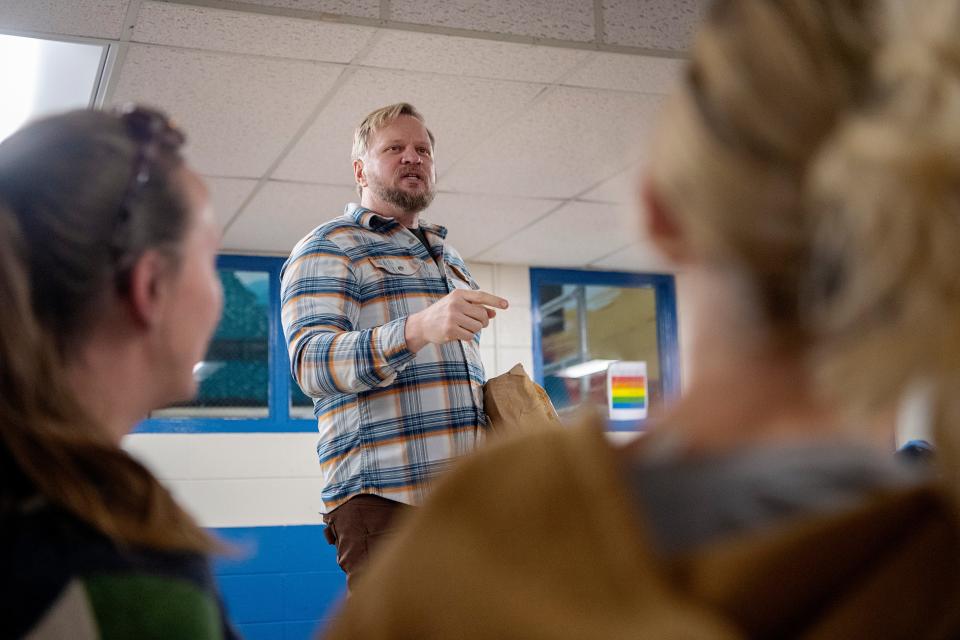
[(357, 527)]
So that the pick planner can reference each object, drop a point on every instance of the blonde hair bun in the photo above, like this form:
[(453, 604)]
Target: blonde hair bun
[(883, 199)]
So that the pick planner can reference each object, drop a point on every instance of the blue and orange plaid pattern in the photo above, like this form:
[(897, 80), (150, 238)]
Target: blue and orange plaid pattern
[(389, 420)]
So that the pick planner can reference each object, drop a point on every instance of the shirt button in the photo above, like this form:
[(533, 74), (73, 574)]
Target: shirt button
[(401, 268)]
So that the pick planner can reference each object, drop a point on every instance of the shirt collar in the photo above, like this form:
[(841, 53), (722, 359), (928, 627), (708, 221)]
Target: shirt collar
[(375, 222)]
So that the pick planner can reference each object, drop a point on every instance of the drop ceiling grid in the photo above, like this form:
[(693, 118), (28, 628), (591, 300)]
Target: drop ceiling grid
[(283, 212), (227, 194), (355, 8), (87, 18), (599, 69), (637, 256), (238, 127), (571, 20), (572, 140), (608, 25), (619, 189), (461, 56), (574, 235), (460, 112), (658, 24), (248, 33), (627, 72), (476, 223), (155, 14)]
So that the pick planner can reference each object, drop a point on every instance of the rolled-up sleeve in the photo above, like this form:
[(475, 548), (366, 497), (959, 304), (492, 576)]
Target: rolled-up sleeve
[(320, 305)]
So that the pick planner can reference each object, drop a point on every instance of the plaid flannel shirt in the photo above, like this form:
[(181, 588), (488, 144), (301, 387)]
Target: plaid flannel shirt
[(389, 420)]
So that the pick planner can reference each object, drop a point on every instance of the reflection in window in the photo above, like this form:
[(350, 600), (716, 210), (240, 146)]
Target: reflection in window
[(234, 375), (586, 327)]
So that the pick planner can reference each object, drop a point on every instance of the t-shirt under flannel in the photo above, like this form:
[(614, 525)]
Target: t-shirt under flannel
[(389, 420)]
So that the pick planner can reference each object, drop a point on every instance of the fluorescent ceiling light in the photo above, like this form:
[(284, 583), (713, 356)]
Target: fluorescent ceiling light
[(42, 77), (583, 369)]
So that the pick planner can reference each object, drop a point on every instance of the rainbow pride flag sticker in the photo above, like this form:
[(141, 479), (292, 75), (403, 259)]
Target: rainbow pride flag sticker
[(627, 390)]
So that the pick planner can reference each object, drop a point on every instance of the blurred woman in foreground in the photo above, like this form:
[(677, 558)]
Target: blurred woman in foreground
[(110, 295), (807, 178)]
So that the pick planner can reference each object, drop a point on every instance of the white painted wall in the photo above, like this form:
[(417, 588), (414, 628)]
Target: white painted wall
[(236, 479)]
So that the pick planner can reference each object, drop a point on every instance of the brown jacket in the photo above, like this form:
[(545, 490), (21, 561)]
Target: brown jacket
[(539, 538)]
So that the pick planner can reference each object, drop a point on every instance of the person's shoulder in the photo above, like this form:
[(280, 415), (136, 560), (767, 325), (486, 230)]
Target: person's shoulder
[(52, 558), (330, 229), (334, 238), (342, 234)]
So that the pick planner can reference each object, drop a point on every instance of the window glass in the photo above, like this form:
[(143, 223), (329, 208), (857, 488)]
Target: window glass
[(584, 328), (42, 77), (234, 375)]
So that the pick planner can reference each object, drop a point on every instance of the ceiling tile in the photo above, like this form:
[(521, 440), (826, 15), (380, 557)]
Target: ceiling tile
[(640, 256), (459, 111), (620, 189), (559, 19), (572, 236), (567, 142), (93, 18), (356, 8), (646, 74), (476, 223), (652, 24), (249, 33), (471, 57), (227, 194), (284, 212), (238, 112)]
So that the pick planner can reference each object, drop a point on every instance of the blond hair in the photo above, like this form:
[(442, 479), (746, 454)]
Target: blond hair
[(886, 188), (377, 119), (816, 147)]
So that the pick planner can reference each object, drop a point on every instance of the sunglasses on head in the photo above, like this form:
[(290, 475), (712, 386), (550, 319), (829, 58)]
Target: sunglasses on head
[(153, 132)]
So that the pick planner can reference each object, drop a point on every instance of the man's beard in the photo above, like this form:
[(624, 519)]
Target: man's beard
[(407, 202)]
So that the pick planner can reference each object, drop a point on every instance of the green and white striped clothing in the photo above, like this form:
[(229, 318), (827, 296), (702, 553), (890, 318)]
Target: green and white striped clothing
[(63, 579)]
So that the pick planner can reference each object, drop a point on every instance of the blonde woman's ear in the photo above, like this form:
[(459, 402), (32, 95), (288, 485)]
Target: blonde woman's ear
[(662, 226)]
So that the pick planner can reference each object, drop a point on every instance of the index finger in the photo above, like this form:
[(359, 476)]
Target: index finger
[(486, 299)]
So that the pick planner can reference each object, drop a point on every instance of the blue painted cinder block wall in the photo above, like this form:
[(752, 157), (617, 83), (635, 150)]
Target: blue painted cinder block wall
[(279, 583)]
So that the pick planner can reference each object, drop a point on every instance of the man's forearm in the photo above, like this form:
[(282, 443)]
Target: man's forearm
[(350, 361)]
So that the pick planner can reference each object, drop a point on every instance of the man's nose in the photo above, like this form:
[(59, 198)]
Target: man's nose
[(410, 156)]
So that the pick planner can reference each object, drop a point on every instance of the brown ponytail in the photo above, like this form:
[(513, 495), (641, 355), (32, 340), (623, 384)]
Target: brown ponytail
[(48, 446)]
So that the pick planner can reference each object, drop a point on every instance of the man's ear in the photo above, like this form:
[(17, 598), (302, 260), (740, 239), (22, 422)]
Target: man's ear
[(662, 226), (358, 172), (149, 278)]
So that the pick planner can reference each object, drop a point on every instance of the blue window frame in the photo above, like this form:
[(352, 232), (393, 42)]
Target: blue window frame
[(561, 295), (280, 387)]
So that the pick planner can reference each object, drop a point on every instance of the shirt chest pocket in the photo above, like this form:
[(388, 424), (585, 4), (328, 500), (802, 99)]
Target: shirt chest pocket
[(459, 278), (390, 268), (393, 289)]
